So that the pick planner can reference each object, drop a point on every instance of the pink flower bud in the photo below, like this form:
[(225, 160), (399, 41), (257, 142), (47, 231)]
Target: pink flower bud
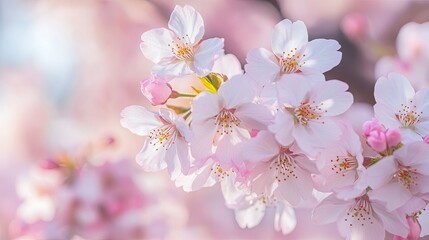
[(393, 137), (155, 91), (414, 233), (354, 26), (377, 141), (426, 139), (370, 126)]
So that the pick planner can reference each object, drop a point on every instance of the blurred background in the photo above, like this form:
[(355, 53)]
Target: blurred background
[(67, 69)]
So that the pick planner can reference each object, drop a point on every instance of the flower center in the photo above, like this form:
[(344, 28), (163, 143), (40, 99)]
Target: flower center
[(290, 61), (268, 201), (340, 165), (225, 121), (182, 48), (285, 166), (408, 115), (408, 177), (163, 137), (361, 212), (307, 112), (219, 172)]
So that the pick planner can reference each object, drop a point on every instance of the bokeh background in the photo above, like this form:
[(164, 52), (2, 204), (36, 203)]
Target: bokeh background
[(68, 67)]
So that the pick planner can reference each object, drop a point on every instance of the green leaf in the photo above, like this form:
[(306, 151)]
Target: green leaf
[(212, 82), (178, 110)]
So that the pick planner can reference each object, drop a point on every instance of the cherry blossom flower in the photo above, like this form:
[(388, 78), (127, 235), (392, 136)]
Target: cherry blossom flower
[(279, 171), (306, 111), (157, 92), (292, 53), (222, 122), (403, 175), (412, 55), (250, 208), (37, 190), (180, 50), (167, 139), (360, 218), (341, 165), (398, 106)]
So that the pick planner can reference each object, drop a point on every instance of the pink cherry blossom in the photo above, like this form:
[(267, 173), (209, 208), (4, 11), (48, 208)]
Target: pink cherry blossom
[(341, 165), (279, 172), (412, 55), (166, 145), (306, 113), (393, 137), (222, 122), (399, 180), (398, 106), (250, 208), (180, 50), (292, 53), (373, 125), (360, 218), (157, 92)]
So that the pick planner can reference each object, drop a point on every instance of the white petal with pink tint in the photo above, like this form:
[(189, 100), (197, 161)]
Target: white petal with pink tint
[(321, 55), (206, 55), (287, 36), (186, 22), (155, 45), (139, 120)]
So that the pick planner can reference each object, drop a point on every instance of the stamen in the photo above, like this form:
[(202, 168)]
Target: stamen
[(408, 115), (182, 48), (225, 121), (163, 137), (307, 112), (361, 213), (342, 164), (408, 177), (290, 61), (285, 166)]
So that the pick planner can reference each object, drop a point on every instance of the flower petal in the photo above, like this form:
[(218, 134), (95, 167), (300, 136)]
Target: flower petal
[(321, 55), (228, 65), (393, 222), (139, 120), (283, 128), (187, 22), (392, 194), (150, 158), (254, 116), (386, 116), (331, 209), (206, 106), (285, 219), (332, 97), (206, 55), (263, 147), (176, 68), (236, 91), (198, 178), (155, 45), (250, 217), (262, 66), (381, 172), (201, 144), (393, 91), (288, 36)]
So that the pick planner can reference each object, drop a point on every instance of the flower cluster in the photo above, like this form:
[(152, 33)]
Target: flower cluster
[(273, 136), (65, 198)]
